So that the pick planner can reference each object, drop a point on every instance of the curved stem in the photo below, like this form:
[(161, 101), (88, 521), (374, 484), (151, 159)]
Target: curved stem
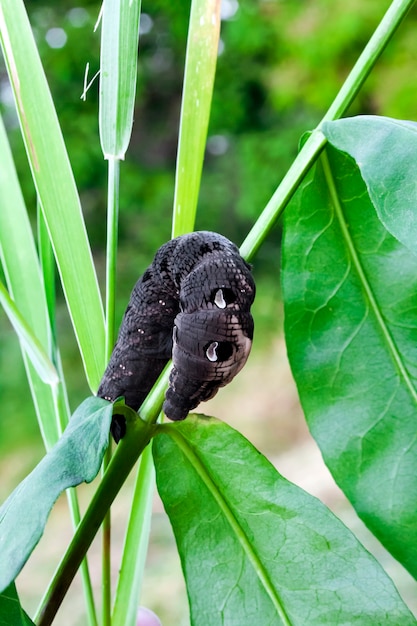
[(138, 435), (312, 148), (129, 449), (283, 194)]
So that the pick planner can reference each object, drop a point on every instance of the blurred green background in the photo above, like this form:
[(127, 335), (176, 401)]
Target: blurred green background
[(281, 62)]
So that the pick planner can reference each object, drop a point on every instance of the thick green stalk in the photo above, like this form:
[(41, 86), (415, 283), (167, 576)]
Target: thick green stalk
[(118, 73), (138, 435), (119, 468), (312, 148)]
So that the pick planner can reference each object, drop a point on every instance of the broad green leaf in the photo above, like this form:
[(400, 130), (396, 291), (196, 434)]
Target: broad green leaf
[(256, 549), (55, 185), (118, 72), (200, 68), (35, 351), (11, 612), (385, 150), (349, 291), (74, 459)]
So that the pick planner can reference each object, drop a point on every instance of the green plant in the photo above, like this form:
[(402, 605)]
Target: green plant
[(265, 550)]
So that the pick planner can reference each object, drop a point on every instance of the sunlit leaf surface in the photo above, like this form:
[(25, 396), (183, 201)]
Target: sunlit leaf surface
[(256, 549), (385, 151), (351, 329)]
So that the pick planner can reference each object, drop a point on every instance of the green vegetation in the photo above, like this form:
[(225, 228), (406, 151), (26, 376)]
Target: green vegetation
[(348, 288)]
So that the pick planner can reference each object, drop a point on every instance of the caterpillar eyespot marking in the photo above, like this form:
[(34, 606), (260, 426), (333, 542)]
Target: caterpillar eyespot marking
[(192, 305)]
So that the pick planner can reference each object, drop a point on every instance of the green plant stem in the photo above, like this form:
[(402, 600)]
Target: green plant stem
[(119, 468), (106, 556), (314, 145), (111, 257), (283, 194), (128, 451), (385, 30), (111, 251), (62, 410), (136, 545)]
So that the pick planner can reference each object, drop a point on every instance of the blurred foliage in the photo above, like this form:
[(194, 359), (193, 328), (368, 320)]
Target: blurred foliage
[(281, 62)]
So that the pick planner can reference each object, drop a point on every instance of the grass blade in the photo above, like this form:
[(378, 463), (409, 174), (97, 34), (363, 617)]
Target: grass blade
[(118, 70), (21, 267), (136, 544), (34, 350), (200, 67), (55, 185)]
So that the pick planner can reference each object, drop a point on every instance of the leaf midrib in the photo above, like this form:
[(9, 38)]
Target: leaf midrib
[(396, 356), (228, 513)]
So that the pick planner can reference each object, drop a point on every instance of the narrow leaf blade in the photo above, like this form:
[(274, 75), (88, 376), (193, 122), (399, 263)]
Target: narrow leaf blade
[(200, 67), (36, 353), (118, 72), (55, 185), (351, 329), (74, 459), (254, 547), (21, 268)]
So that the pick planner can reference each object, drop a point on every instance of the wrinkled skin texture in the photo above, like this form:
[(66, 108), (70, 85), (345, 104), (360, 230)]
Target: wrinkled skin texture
[(192, 304)]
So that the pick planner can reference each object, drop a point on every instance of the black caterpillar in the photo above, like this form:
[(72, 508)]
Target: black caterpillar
[(192, 304)]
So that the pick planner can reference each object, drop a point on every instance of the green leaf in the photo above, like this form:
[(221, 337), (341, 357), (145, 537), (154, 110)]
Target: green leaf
[(200, 68), (21, 268), (386, 159), (74, 459), (35, 351), (11, 612), (118, 72), (256, 549), (349, 291), (55, 185)]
